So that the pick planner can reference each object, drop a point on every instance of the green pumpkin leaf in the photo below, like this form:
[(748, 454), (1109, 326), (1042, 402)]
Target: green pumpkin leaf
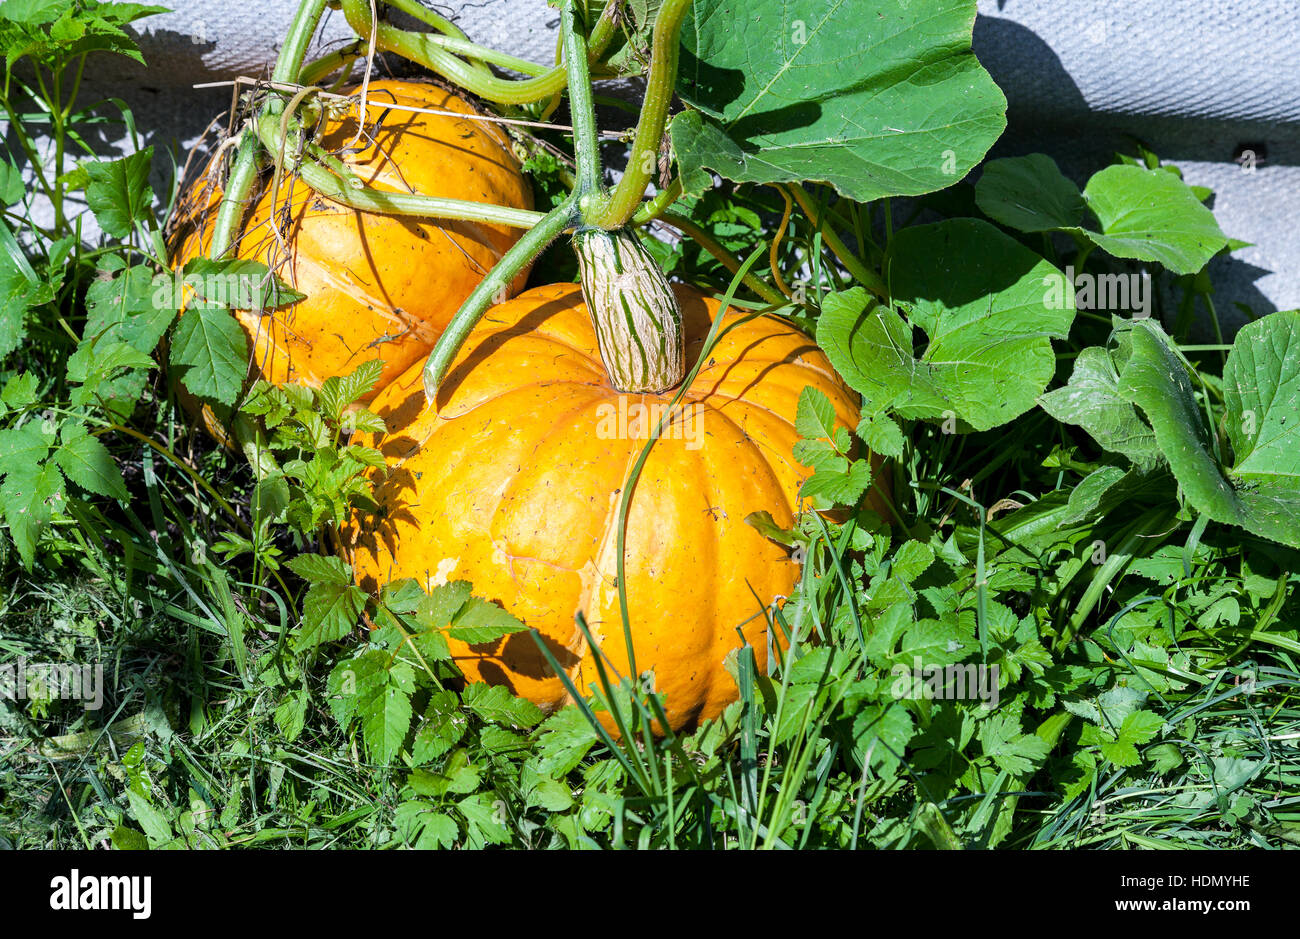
[(1029, 193), (1261, 493), (128, 839), (1152, 216), (1261, 388), (1093, 401), (875, 97), (979, 296)]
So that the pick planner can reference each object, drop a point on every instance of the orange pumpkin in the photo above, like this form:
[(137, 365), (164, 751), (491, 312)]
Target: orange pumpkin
[(512, 480), (376, 285)]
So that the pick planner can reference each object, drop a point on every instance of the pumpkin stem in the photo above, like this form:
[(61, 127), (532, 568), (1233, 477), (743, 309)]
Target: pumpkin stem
[(638, 322), (635, 314)]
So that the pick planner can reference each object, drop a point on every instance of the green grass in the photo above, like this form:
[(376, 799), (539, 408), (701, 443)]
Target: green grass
[(203, 742)]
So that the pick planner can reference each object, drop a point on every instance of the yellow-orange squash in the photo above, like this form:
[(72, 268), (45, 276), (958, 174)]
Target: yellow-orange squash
[(512, 480), (376, 285)]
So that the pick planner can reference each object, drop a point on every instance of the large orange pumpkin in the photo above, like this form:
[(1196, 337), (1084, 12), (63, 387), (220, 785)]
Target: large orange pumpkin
[(512, 480), (377, 286)]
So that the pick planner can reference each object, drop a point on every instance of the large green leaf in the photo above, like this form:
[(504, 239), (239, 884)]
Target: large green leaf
[(1152, 215), (1144, 214), (1261, 388), (1262, 492), (1029, 193), (1157, 381), (877, 97), (1093, 401), (978, 295)]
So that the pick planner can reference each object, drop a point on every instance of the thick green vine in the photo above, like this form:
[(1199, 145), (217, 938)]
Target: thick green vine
[(490, 289), (626, 198)]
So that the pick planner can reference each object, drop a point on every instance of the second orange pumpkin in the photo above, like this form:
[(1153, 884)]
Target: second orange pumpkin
[(377, 286)]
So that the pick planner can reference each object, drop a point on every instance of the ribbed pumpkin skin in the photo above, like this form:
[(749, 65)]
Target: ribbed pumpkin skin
[(376, 286), (510, 483)]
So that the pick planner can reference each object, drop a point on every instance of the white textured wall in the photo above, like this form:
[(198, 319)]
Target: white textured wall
[(1194, 80)]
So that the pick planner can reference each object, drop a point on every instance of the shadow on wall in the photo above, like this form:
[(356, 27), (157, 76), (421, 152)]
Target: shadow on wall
[(1047, 113), (179, 121)]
